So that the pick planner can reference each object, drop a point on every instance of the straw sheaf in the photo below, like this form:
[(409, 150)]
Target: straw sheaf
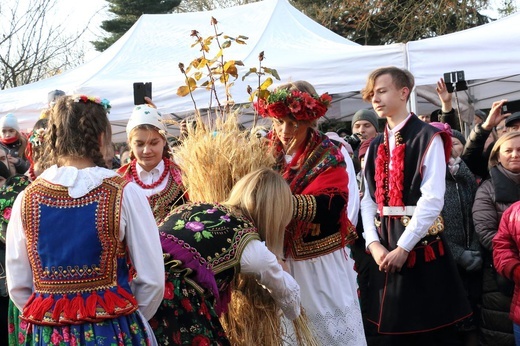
[(213, 157), (254, 319)]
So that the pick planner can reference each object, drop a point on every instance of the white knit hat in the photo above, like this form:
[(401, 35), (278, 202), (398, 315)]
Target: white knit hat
[(9, 120), (144, 114)]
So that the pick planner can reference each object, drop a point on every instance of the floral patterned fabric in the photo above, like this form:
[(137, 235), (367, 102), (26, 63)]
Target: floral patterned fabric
[(202, 245), (8, 193), (17, 329), (185, 317), (126, 330)]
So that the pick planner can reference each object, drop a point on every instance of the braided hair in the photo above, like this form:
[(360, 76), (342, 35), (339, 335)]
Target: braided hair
[(76, 126)]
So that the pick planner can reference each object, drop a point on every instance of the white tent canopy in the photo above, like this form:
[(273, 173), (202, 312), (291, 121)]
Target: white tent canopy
[(488, 54), (294, 45)]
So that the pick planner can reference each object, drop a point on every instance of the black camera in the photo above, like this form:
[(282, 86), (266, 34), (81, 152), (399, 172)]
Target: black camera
[(354, 140), (455, 79), (511, 107)]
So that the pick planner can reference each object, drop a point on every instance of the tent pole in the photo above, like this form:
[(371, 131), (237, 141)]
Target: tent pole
[(412, 103)]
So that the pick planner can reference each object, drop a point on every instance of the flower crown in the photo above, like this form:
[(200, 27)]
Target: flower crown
[(301, 105), (103, 102), (37, 137)]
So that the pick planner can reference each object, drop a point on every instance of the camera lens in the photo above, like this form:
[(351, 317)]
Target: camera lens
[(354, 140)]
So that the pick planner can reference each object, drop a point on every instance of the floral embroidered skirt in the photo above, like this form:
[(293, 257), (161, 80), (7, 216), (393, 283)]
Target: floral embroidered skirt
[(126, 330), (17, 329), (185, 317)]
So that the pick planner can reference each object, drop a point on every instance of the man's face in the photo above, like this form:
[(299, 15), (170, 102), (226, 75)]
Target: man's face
[(3, 157), (501, 128), (515, 126), (366, 129), (386, 99), (426, 118), (5, 160)]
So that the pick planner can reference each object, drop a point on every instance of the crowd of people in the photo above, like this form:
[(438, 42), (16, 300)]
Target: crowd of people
[(399, 231)]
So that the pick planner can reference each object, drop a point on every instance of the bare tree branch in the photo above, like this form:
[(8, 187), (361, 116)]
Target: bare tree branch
[(35, 44)]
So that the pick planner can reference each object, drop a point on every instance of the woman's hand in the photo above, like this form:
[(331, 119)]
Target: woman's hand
[(14, 160), (149, 102), (444, 96)]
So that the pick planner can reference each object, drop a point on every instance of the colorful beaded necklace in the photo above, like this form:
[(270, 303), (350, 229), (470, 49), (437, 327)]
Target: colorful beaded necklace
[(153, 185), (390, 180)]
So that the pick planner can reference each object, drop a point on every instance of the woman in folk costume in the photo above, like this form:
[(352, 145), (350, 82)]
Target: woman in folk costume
[(151, 167), (69, 237), (8, 193), (207, 244), (316, 238)]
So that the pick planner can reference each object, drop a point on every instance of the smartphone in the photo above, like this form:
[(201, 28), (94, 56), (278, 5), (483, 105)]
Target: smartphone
[(456, 78), (140, 91), (511, 107)]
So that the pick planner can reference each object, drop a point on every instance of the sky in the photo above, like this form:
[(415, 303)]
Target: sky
[(86, 13)]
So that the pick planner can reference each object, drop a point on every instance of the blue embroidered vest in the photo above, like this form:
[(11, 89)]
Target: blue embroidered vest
[(78, 263)]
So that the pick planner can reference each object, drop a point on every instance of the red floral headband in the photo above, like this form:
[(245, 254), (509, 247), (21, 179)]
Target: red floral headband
[(301, 105)]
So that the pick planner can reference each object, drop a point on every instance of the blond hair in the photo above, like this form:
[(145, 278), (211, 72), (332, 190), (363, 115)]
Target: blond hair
[(494, 157), (401, 78), (264, 196)]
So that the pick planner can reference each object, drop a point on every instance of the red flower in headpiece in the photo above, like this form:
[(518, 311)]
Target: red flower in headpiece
[(301, 105), (278, 110)]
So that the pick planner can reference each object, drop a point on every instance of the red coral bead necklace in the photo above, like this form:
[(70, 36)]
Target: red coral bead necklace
[(153, 185)]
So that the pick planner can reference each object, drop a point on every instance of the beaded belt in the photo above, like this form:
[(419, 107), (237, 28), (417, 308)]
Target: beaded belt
[(436, 228)]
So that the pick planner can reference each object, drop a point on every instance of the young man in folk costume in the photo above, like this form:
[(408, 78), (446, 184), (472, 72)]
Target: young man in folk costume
[(417, 295)]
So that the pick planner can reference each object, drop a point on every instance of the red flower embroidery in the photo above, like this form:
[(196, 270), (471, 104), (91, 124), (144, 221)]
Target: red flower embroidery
[(154, 323), (204, 311), (186, 305), (7, 213), (200, 340), (177, 337), (168, 291)]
